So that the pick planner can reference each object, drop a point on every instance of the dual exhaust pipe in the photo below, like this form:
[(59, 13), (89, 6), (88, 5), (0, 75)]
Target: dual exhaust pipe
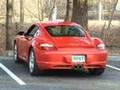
[(78, 67)]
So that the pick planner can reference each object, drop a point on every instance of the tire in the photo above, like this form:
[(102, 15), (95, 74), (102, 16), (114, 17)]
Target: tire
[(33, 68), (16, 56), (97, 72)]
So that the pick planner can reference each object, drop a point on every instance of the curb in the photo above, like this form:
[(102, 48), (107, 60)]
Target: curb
[(113, 58), (6, 58)]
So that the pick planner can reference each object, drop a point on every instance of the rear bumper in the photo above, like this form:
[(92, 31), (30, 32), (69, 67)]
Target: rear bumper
[(62, 59)]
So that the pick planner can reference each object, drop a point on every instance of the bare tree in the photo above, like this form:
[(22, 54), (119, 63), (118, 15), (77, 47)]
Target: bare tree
[(107, 31), (2, 9), (68, 10), (80, 12), (38, 7), (45, 9), (112, 14), (100, 10), (21, 13), (52, 9), (41, 10), (9, 14)]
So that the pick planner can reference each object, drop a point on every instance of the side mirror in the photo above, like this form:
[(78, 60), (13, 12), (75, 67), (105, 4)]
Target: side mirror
[(21, 33)]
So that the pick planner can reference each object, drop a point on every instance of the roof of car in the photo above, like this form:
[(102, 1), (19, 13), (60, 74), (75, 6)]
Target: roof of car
[(51, 23)]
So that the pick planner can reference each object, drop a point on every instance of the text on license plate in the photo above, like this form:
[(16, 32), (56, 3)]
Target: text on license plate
[(78, 59)]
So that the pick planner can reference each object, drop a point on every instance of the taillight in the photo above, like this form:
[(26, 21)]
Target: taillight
[(47, 46), (101, 46)]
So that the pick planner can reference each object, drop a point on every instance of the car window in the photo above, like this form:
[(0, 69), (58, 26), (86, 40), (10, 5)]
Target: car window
[(38, 32), (33, 29), (65, 31)]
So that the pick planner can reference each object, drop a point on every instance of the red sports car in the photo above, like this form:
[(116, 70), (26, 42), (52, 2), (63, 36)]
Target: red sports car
[(60, 46)]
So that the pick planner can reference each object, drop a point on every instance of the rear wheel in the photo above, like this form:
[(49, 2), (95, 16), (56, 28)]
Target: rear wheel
[(16, 57), (33, 69), (96, 71)]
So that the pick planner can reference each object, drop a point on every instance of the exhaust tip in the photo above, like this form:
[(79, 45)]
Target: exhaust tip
[(78, 67)]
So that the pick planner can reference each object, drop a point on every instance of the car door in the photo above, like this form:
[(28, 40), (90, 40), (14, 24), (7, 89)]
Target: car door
[(29, 36)]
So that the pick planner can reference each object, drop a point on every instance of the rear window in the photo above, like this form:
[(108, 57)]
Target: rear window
[(66, 31)]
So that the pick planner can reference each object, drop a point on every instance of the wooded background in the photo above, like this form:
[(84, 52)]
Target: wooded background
[(98, 16)]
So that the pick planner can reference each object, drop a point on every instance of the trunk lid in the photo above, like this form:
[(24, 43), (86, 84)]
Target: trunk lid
[(73, 42)]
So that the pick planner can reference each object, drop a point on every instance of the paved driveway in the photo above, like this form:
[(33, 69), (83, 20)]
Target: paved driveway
[(16, 77)]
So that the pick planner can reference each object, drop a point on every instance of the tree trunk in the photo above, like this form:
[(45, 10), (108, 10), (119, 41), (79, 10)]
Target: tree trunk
[(9, 14), (68, 10), (107, 32), (38, 7), (21, 13), (100, 10), (80, 12), (52, 9)]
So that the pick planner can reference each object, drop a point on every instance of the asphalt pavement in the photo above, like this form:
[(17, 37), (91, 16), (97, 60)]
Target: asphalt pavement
[(16, 77)]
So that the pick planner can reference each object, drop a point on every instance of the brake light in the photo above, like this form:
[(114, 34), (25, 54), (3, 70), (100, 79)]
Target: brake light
[(101, 46), (47, 46)]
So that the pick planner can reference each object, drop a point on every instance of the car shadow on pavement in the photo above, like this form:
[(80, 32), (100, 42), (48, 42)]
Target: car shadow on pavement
[(60, 73), (67, 74)]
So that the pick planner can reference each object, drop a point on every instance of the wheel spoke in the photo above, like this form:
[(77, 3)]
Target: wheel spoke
[(15, 52), (31, 62)]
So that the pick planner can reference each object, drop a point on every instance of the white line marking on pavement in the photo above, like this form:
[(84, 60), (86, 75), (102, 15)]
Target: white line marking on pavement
[(113, 67), (12, 75)]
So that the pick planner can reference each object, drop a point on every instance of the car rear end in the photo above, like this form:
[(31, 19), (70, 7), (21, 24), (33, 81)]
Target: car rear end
[(71, 51), (75, 58)]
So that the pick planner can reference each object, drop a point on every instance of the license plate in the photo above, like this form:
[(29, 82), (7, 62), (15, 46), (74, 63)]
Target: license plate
[(78, 59)]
